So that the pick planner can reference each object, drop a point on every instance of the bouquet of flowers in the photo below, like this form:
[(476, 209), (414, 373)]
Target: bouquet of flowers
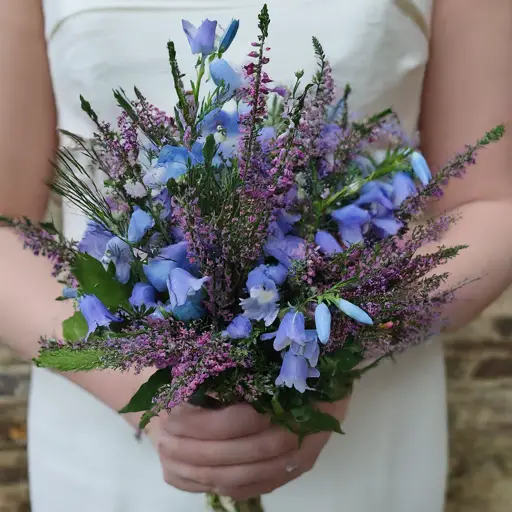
[(255, 246)]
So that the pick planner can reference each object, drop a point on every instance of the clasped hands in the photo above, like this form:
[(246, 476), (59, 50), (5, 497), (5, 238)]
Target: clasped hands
[(234, 451)]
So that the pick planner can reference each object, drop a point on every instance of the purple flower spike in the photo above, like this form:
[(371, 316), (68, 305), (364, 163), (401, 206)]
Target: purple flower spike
[(120, 254), (95, 313), (420, 168), (327, 243), (354, 312), (323, 322), (182, 285), (239, 328), (295, 372), (202, 39), (222, 72), (143, 294), (140, 223)]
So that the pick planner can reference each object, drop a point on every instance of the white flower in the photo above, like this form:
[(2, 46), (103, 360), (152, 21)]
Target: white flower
[(135, 190)]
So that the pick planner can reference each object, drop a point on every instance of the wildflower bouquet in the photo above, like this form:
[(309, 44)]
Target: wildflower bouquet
[(254, 246)]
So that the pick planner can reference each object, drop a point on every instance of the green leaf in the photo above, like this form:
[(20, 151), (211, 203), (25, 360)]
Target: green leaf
[(66, 359), (75, 328), (49, 227), (95, 280), (143, 399), (209, 149), (320, 422)]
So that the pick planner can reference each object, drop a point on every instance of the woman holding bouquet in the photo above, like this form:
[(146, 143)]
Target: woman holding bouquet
[(429, 61)]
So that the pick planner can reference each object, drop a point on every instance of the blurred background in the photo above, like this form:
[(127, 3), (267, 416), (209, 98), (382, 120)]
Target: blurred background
[(479, 367)]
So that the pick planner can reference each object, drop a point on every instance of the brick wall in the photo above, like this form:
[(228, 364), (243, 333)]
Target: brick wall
[(479, 363)]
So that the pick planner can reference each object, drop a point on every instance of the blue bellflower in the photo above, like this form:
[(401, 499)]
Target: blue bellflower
[(140, 223), (229, 36), (354, 312), (259, 275), (202, 39), (295, 371), (262, 303), (291, 330), (95, 239), (323, 322), (420, 168), (327, 243), (158, 269), (174, 160), (190, 311), (222, 72), (120, 254), (182, 285), (310, 350), (239, 329), (95, 313), (143, 294)]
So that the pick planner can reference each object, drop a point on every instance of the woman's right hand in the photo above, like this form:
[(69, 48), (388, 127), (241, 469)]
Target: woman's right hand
[(234, 451)]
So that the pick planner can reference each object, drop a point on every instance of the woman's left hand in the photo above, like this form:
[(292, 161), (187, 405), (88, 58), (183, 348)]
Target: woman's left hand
[(233, 452)]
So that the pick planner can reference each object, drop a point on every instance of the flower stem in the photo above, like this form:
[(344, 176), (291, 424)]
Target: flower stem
[(219, 504)]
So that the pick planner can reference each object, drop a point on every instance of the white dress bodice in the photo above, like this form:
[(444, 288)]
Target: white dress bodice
[(393, 459)]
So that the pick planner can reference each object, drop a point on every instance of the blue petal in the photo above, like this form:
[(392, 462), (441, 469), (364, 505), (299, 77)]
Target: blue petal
[(202, 39), (140, 223), (403, 187), (354, 312), (158, 269), (182, 285), (95, 239), (294, 372), (291, 328), (327, 243), (388, 225), (229, 36), (95, 313), (239, 328), (323, 322), (351, 234), (262, 274), (420, 167), (190, 311), (351, 215), (120, 254), (222, 72), (375, 195), (69, 293), (143, 294)]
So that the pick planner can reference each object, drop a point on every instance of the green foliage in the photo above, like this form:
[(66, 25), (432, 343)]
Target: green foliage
[(143, 398), (75, 328), (95, 280), (67, 359)]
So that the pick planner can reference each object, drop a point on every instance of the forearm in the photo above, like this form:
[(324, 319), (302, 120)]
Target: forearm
[(28, 309), (486, 227), (27, 124)]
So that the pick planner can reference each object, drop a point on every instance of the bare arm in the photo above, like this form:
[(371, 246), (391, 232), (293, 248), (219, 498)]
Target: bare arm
[(27, 143), (468, 90)]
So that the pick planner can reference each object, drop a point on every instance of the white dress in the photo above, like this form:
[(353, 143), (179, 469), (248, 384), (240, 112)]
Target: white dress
[(83, 457)]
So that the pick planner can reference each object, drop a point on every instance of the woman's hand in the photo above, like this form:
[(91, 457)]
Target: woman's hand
[(233, 452)]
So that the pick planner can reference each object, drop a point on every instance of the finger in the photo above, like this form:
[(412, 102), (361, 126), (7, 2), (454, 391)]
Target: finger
[(252, 491), (228, 477), (220, 424), (185, 485), (268, 444)]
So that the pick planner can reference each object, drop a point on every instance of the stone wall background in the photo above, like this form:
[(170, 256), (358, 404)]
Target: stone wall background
[(479, 366)]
